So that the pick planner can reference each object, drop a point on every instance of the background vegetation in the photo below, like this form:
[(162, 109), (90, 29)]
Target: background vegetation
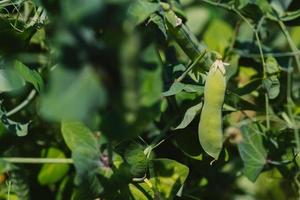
[(101, 99)]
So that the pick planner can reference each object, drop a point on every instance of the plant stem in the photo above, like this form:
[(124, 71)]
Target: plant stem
[(275, 54), (290, 42), (23, 104), (37, 160), (218, 4), (8, 190), (183, 75), (267, 111)]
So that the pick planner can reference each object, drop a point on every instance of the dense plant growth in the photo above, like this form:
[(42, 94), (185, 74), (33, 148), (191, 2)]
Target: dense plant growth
[(149, 99)]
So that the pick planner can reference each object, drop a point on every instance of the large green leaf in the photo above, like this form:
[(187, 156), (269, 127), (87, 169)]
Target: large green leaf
[(86, 157), (29, 75), (252, 151), (10, 80), (87, 164), (72, 95), (51, 173), (167, 177), (189, 115), (77, 134)]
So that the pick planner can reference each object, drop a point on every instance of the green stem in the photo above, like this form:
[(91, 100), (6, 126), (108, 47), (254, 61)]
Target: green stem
[(8, 190), (37, 160), (218, 4), (261, 54), (254, 55), (290, 42), (290, 104), (267, 111), (23, 104), (183, 75)]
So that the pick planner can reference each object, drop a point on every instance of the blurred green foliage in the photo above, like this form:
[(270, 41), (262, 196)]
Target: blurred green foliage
[(107, 95)]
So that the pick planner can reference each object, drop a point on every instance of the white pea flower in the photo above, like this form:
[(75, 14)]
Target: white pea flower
[(219, 65)]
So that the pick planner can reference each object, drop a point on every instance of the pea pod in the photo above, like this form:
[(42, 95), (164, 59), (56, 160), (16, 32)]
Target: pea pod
[(210, 126)]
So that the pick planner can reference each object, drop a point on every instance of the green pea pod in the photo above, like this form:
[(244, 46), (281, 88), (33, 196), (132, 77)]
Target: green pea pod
[(210, 126)]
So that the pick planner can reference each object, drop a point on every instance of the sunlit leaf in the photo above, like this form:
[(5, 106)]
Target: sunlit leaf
[(189, 116), (51, 173), (29, 75), (77, 134), (252, 151), (169, 176)]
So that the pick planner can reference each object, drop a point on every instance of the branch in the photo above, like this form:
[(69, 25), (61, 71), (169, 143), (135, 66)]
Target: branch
[(23, 104), (37, 160)]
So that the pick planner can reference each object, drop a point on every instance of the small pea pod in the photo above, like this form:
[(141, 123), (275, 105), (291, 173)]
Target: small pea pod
[(210, 126)]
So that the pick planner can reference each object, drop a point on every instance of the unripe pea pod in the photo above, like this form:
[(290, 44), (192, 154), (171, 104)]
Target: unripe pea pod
[(210, 127)]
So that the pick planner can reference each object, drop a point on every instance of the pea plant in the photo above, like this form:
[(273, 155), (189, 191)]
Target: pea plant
[(149, 99)]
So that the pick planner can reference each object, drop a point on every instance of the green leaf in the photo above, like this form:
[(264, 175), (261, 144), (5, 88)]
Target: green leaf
[(77, 134), (86, 157), (150, 81), (189, 115), (252, 151), (178, 87), (272, 66), (52, 173), (140, 10), (72, 95), (137, 160), (175, 88), (158, 20), (19, 129), (10, 80), (271, 83), (29, 75), (136, 193), (218, 36), (198, 17), (167, 177), (272, 86), (87, 164), (199, 89)]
